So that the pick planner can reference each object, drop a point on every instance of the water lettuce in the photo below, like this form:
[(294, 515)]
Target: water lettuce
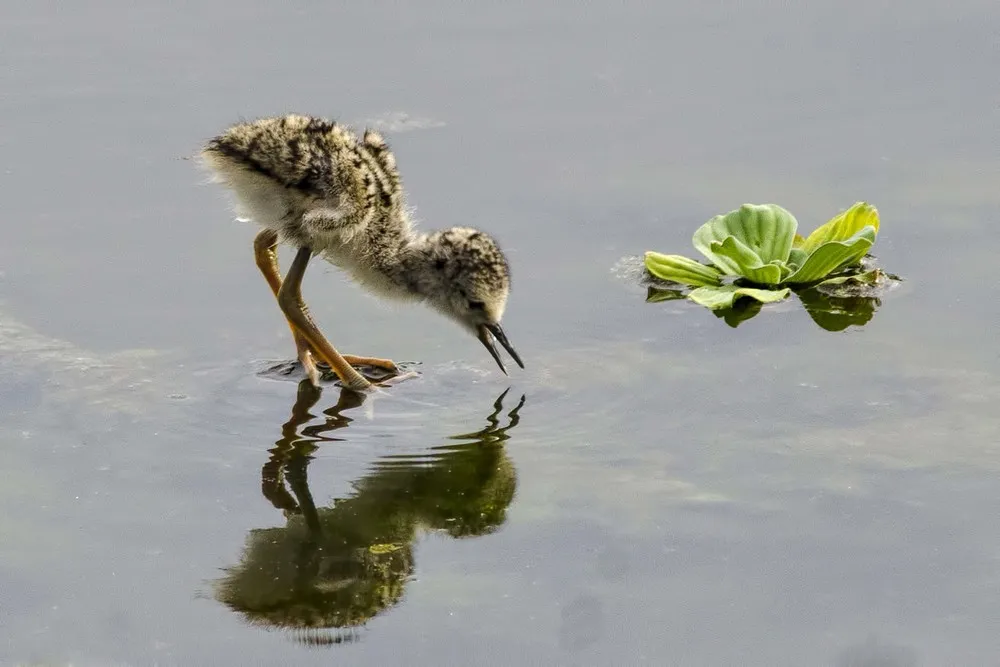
[(756, 253)]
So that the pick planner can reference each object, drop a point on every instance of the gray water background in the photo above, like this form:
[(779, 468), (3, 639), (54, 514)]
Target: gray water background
[(687, 493)]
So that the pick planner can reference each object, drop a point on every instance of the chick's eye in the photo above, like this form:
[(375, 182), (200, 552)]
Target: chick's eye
[(476, 305)]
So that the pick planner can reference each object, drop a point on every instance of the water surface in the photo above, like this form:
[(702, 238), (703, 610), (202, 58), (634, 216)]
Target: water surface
[(671, 491)]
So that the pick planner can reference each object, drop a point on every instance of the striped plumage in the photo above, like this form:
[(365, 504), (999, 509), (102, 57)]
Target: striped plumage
[(317, 185)]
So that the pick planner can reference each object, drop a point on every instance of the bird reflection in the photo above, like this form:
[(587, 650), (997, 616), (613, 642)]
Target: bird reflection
[(331, 569)]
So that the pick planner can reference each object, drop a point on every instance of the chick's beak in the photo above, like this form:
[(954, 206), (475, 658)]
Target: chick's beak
[(490, 332)]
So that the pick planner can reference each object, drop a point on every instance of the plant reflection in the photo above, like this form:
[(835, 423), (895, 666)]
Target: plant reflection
[(832, 312), (331, 569), (742, 310), (836, 313)]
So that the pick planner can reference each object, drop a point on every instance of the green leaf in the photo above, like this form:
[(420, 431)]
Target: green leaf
[(678, 269), (796, 258), (868, 278), (767, 231), (748, 263), (872, 283), (844, 226), (725, 296), (832, 255)]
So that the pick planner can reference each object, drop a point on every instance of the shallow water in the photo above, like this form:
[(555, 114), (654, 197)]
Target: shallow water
[(673, 490)]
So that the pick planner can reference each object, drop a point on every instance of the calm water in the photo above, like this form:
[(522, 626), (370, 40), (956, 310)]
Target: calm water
[(669, 490)]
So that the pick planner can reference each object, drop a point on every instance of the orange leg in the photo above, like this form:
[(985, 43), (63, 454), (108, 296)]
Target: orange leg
[(265, 253)]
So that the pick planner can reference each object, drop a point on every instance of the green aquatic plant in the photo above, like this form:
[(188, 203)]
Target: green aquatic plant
[(756, 253)]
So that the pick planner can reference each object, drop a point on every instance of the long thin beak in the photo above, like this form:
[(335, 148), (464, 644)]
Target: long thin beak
[(487, 334)]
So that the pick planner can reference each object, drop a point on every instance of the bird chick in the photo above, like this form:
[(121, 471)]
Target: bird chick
[(315, 185)]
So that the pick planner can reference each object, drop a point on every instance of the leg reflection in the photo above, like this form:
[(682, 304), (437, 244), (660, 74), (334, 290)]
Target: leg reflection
[(292, 453)]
